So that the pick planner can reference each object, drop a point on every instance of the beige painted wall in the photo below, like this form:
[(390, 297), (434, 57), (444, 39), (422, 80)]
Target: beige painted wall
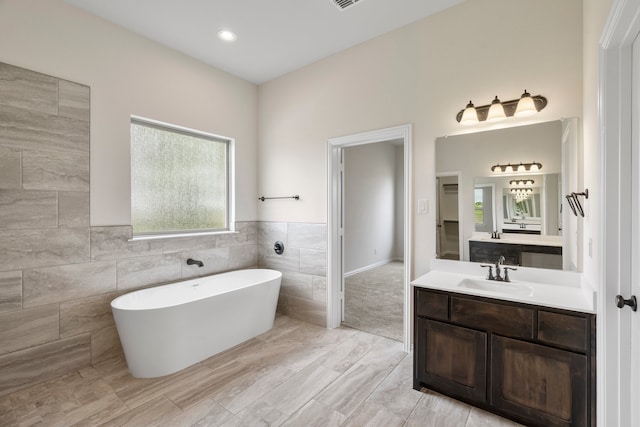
[(595, 16), (422, 74), (130, 75)]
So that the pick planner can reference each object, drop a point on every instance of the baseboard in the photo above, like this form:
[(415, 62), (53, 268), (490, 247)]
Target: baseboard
[(369, 267)]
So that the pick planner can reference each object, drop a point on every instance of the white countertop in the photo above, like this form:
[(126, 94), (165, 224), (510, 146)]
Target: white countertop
[(520, 239), (549, 288)]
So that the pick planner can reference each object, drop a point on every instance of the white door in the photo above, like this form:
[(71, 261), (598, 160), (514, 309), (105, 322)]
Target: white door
[(619, 328), (631, 319)]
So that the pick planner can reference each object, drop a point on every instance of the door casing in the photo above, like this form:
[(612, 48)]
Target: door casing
[(335, 294)]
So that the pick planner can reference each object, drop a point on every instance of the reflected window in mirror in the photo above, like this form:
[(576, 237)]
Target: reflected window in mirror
[(484, 208)]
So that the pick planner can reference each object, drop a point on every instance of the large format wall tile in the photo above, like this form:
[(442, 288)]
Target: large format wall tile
[(68, 282), (10, 291), (308, 236), (73, 209), (148, 270), (10, 168), (24, 209), (74, 100), (313, 262), (270, 232), (27, 328), (191, 243), (27, 89), (20, 249), (289, 260), (54, 171), (43, 362), (297, 284), (246, 234), (113, 243), (86, 315), (31, 130), (320, 289), (215, 261), (241, 257)]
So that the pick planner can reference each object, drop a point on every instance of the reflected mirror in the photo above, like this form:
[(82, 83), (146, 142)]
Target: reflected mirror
[(523, 207)]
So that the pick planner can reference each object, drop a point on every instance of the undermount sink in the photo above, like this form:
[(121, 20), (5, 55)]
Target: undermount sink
[(492, 286)]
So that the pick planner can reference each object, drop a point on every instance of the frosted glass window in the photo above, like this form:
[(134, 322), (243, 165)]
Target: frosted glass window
[(179, 180)]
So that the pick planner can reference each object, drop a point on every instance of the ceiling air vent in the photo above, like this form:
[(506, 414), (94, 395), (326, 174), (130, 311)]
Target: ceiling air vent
[(343, 4)]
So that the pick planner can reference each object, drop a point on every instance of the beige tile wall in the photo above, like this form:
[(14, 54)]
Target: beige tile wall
[(303, 293), (58, 275)]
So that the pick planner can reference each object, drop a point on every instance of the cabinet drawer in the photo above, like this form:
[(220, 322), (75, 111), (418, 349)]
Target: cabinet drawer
[(432, 304), (498, 318), (563, 330)]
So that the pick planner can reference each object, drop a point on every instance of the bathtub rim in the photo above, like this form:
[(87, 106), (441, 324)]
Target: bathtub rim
[(114, 306)]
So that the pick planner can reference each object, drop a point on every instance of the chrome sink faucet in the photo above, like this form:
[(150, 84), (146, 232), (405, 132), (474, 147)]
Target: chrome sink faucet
[(499, 266)]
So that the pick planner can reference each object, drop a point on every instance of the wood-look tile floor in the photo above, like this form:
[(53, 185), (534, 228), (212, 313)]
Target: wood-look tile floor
[(297, 374)]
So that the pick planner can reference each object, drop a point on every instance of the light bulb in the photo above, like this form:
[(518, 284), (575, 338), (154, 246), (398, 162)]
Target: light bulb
[(526, 106), (496, 111), (469, 115)]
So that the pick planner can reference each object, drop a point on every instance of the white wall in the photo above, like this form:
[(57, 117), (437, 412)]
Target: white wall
[(422, 74), (399, 243), (370, 189), (130, 75), (595, 17)]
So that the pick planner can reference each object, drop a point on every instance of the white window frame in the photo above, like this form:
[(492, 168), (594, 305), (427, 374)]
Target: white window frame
[(230, 179)]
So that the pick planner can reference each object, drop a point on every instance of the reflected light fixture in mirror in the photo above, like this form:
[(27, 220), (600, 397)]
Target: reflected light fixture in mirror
[(526, 105), (521, 190), (521, 182)]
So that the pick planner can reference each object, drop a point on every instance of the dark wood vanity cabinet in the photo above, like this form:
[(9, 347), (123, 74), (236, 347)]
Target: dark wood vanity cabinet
[(532, 364)]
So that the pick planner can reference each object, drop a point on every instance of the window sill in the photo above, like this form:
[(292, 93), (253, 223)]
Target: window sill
[(178, 235)]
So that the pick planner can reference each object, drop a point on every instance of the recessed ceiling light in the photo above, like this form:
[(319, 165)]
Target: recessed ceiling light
[(227, 35)]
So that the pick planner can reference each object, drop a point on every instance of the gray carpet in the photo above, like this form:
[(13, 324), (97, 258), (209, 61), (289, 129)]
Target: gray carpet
[(374, 301)]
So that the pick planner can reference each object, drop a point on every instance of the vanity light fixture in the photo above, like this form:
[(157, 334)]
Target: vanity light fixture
[(527, 104), (521, 182), (521, 167), (227, 35)]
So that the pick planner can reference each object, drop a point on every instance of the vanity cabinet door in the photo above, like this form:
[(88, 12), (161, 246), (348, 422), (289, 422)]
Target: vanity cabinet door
[(543, 385), (452, 359)]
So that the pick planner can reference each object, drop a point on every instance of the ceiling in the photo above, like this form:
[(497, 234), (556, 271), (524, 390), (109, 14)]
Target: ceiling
[(274, 37)]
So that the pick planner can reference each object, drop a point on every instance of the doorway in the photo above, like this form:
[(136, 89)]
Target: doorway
[(448, 216), (373, 204), (336, 221)]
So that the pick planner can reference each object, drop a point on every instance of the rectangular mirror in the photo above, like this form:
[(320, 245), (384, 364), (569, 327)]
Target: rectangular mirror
[(524, 207)]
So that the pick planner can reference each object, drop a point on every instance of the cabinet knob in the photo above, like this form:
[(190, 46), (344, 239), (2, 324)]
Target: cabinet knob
[(631, 302)]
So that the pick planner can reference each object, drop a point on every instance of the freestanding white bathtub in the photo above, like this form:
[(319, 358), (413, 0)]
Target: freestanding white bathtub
[(167, 328)]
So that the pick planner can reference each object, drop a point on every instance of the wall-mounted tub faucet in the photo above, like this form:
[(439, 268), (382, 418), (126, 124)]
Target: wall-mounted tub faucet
[(192, 261)]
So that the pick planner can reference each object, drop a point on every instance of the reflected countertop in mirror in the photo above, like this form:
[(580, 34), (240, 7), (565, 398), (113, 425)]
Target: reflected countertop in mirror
[(519, 239)]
